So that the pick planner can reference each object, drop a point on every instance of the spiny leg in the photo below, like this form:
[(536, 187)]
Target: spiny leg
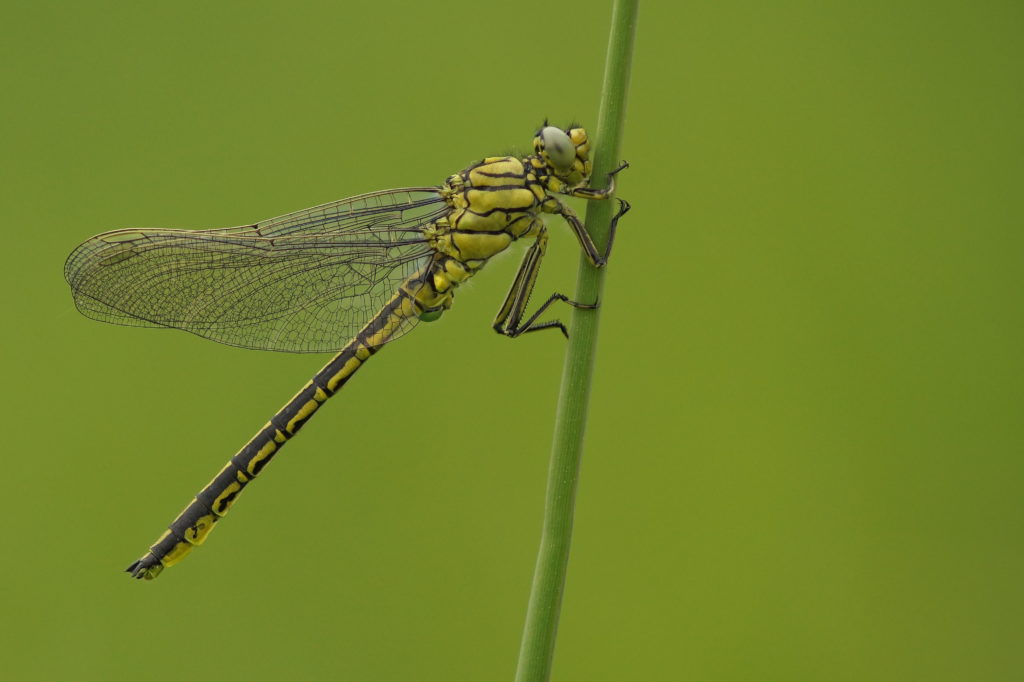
[(592, 193), (596, 258), (531, 324), (509, 320)]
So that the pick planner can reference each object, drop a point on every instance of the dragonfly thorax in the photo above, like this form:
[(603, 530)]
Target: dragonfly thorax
[(493, 202)]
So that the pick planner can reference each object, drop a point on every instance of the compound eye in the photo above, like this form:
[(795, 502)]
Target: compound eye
[(560, 149)]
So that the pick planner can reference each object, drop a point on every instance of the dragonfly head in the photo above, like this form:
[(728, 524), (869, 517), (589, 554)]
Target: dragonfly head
[(565, 153)]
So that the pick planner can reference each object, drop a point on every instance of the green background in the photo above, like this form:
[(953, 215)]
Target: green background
[(804, 459)]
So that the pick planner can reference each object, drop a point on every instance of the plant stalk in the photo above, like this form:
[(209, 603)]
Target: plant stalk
[(538, 644)]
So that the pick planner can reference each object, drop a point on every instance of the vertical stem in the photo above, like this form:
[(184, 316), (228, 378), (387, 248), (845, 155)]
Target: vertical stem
[(538, 645)]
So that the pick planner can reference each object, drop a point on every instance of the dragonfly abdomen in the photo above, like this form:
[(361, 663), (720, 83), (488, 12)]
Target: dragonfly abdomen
[(194, 523)]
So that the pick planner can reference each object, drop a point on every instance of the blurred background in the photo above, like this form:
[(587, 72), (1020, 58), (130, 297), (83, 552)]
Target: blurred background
[(804, 459)]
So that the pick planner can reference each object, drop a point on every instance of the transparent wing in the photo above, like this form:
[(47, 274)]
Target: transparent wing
[(305, 282)]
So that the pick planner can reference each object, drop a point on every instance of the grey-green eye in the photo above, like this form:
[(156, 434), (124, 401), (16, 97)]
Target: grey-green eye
[(558, 146)]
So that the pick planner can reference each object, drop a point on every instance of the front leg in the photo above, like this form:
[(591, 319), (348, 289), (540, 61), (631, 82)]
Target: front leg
[(591, 193)]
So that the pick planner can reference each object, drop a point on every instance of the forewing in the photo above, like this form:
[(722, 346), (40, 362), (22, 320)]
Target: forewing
[(304, 282)]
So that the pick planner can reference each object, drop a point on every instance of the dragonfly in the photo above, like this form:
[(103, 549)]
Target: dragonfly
[(347, 277)]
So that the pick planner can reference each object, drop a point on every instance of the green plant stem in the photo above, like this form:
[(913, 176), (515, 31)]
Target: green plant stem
[(538, 645)]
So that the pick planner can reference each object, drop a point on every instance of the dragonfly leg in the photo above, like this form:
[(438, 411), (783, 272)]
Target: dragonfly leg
[(597, 258), (531, 324), (591, 193), (509, 320)]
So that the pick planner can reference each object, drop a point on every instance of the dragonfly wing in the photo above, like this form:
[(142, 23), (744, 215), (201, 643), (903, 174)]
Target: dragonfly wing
[(305, 282)]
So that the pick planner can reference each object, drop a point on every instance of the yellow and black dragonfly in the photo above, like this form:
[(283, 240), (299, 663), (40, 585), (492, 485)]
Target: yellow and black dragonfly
[(348, 276)]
